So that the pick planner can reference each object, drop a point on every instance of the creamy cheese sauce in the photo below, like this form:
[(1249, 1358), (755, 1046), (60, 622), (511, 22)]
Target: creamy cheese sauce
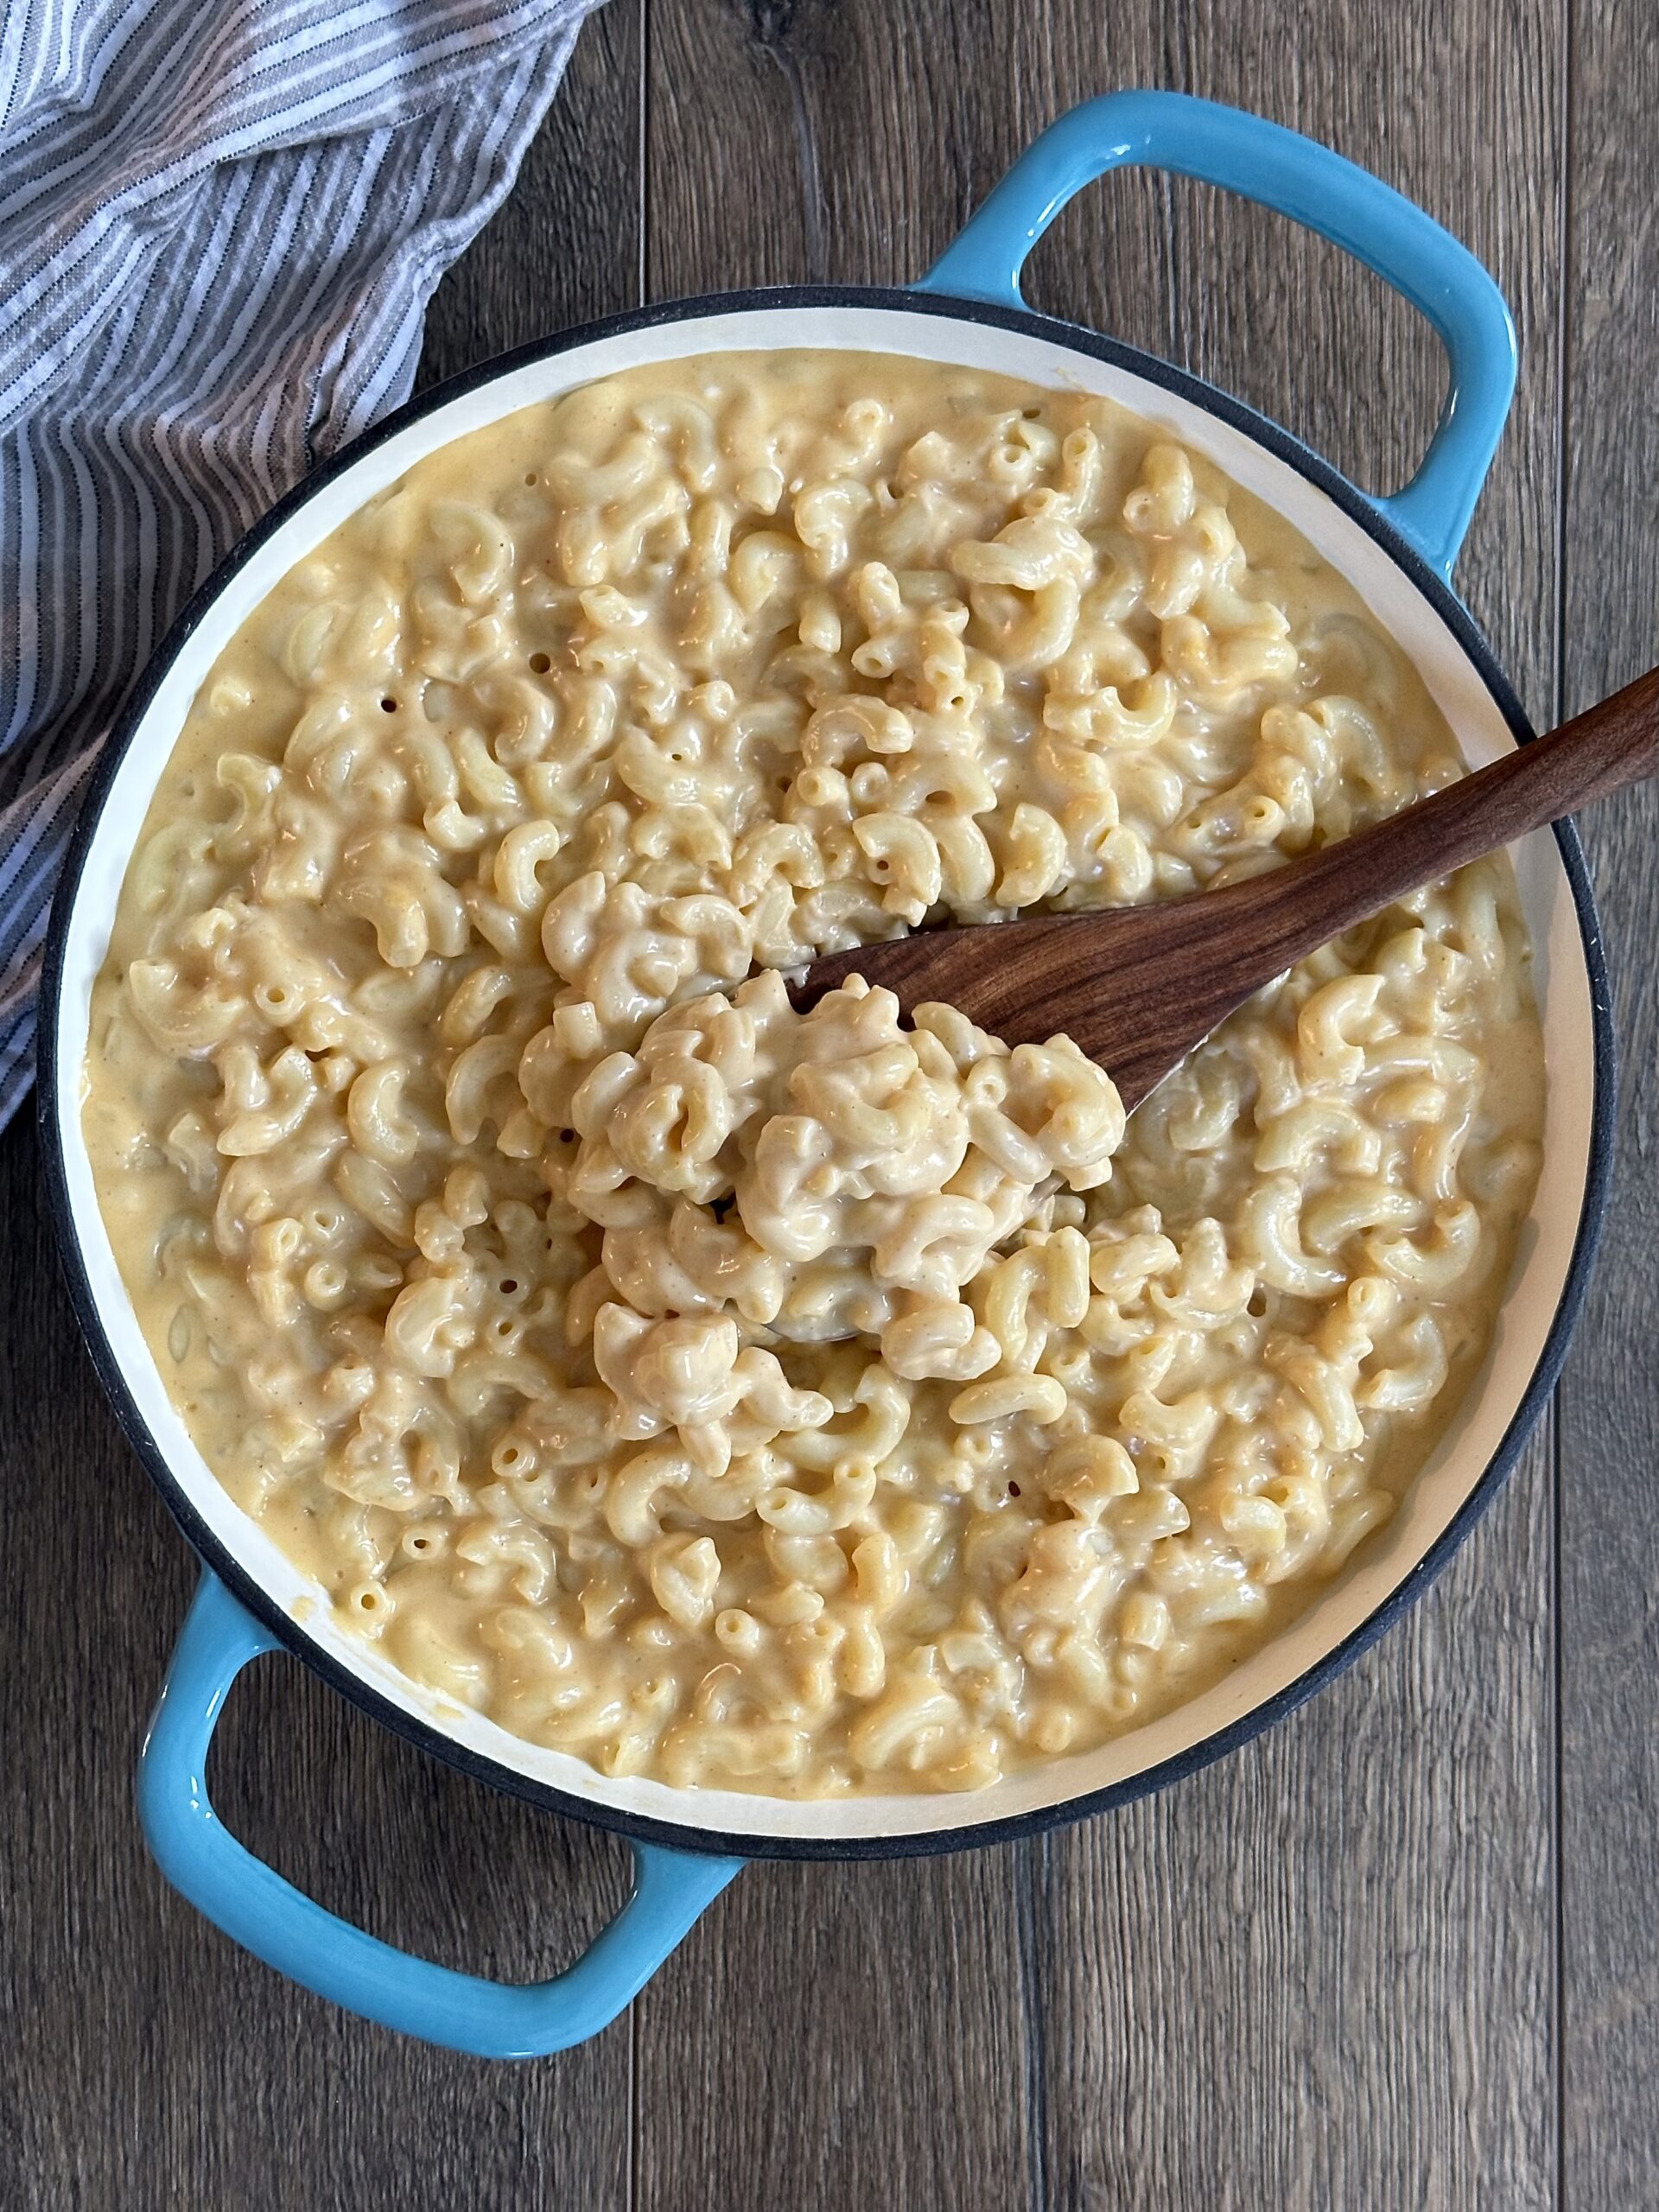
[(804, 1404)]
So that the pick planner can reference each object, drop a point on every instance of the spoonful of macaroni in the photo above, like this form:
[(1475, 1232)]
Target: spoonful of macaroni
[(1137, 987)]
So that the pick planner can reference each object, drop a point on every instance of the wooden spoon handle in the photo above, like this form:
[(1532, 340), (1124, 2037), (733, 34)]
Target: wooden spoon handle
[(1599, 751), (1138, 987), (1304, 905)]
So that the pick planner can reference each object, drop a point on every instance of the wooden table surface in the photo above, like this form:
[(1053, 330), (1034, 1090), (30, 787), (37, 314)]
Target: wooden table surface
[(1396, 1954)]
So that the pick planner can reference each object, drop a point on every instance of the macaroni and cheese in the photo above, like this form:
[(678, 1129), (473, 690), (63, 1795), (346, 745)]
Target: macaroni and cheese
[(798, 1402)]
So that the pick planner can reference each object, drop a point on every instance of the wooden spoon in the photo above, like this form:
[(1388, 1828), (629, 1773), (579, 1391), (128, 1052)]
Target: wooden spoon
[(1138, 987)]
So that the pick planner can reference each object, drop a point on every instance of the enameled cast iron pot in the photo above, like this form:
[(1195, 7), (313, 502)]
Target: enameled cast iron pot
[(1398, 553)]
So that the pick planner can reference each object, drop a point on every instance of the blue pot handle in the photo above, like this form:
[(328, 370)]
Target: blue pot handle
[(1308, 182), (270, 1917)]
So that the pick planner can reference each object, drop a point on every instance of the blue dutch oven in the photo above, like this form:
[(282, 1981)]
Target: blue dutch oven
[(1398, 552)]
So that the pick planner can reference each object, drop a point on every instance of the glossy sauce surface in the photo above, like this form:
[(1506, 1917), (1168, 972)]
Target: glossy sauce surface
[(802, 1404)]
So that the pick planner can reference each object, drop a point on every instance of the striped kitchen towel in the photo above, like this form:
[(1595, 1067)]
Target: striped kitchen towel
[(220, 223)]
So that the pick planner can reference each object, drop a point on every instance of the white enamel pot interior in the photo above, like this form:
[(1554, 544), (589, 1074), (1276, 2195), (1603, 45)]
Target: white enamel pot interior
[(1480, 1443)]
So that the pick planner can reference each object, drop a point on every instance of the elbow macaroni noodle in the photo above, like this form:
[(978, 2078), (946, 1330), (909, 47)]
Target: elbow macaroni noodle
[(797, 1402)]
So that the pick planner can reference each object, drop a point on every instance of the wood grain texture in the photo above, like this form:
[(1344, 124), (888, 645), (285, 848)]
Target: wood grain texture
[(1610, 1395), (1321, 1975), (566, 245), (858, 2037)]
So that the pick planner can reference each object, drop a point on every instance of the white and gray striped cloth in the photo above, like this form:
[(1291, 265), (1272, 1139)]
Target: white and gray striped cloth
[(220, 223)]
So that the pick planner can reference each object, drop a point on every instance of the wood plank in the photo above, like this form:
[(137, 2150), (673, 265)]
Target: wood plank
[(1610, 1395), (144, 2061), (565, 246), (1371, 1886), (850, 2037), (784, 144), (1321, 1974)]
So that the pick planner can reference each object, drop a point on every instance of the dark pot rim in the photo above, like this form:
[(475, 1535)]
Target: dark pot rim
[(674, 1835)]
